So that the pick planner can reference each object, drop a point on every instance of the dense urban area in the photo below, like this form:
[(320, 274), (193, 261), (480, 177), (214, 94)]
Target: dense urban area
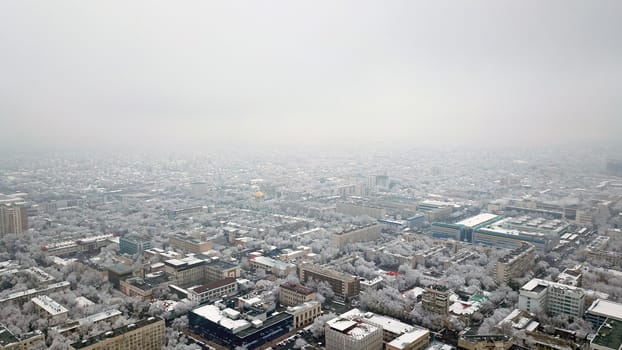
[(421, 250)]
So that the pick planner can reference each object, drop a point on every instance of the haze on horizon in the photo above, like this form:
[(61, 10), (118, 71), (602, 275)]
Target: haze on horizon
[(195, 74)]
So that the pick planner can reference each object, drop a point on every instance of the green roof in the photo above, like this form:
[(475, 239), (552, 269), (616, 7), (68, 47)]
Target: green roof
[(609, 334)]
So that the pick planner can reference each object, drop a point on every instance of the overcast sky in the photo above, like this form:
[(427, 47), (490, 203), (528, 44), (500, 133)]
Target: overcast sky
[(106, 74)]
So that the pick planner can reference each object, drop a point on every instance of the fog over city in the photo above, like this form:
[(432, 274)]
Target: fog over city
[(310, 175), (196, 74)]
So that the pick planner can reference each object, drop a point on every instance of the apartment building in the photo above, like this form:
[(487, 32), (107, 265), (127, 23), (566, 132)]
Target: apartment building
[(364, 234), (358, 210), (276, 267), (435, 299), (515, 264), (50, 309), (10, 341), (344, 285)]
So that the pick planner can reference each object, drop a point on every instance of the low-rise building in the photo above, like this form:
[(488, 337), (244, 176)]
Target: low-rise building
[(363, 234), (186, 272), (485, 342), (571, 276), (230, 328), (304, 314), (146, 334), (213, 291), (216, 269), (276, 267), (346, 334), (143, 287), (608, 336), (26, 295), (396, 335), (189, 244), (10, 341), (601, 310), (50, 309), (291, 294)]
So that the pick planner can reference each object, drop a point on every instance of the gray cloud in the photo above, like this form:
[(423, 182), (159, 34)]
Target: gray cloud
[(278, 73)]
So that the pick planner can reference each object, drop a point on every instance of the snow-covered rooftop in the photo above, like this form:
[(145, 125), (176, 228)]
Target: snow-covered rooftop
[(477, 219), (606, 308)]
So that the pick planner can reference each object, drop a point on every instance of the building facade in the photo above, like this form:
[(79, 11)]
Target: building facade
[(291, 294), (133, 244), (553, 298), (188, 244), (364, 234), (13, 219), (147, 334), (304, 314), (10, 341), (345, 286), (515, 264), (213, 291), (435, 299), (346, 334)]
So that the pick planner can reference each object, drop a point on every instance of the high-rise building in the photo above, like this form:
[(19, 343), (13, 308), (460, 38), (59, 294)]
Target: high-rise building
[(13, 219), (146, 334)]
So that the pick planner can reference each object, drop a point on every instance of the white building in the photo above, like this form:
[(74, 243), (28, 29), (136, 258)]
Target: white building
[(346, 334), (553, 298), (52, 310)]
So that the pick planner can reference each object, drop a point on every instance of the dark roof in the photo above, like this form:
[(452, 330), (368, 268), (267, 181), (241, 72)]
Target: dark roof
[(221, 264), (298, 288), (269, 322), (6, 337)]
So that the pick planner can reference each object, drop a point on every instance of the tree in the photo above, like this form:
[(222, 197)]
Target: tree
[(317, 328), (300, 343)]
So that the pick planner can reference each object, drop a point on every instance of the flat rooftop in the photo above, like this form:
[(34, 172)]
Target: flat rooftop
[(606, 308), (49, 305), (6, 337), (609, 335), (115, 332), (477, 219), (404, 340), (353, 329), (386, 323)]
